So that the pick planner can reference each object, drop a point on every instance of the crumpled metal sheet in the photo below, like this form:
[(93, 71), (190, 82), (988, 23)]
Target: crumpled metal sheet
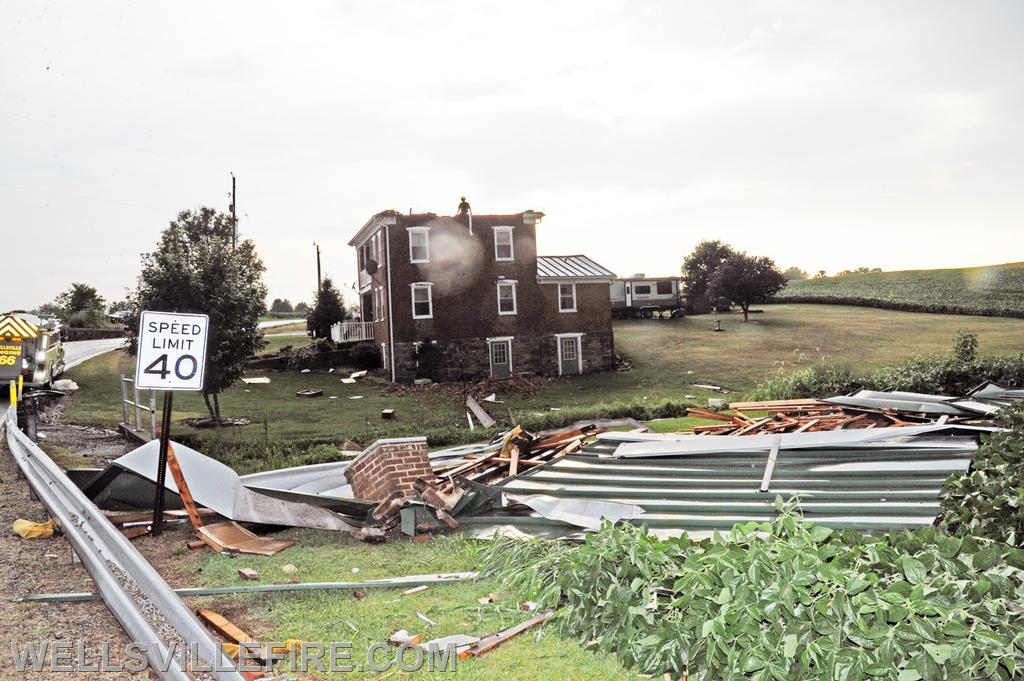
[(585, 513), (639, 445), (219, 488)]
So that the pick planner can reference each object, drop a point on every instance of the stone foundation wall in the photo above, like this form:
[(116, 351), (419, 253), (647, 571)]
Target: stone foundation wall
[(469, 359)]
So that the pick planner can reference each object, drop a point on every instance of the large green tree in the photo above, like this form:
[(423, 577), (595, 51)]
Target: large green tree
[(698, 269), (327, 310), (744, 280), (80, 305), (195, 269)]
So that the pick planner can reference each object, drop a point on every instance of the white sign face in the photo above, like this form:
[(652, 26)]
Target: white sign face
[(172, 351)]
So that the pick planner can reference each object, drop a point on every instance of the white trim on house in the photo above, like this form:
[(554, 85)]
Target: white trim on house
[(579, 350), (515, 303), (490, 352), (504, 229), (567, 309), (425, 232), (422, 286), (391, 323)]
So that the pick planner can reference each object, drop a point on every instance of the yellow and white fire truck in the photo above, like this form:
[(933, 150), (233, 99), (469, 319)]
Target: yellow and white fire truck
[(30, 347)]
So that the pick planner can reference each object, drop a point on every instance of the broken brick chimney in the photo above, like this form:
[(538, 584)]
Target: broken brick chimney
[(388, 466)]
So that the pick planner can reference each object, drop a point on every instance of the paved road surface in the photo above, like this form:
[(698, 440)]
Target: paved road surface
[(279, 322), (76, 352)]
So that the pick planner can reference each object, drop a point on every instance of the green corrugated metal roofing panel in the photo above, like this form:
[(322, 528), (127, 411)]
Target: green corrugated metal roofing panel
[(876, 489)]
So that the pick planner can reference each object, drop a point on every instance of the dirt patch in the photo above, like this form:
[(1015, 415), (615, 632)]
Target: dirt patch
[(73, 445)]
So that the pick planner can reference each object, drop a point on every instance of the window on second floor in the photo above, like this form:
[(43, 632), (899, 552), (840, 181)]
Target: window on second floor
[(567, 297), (506, 297), (664, 288), (419, 244), (503, 249), (422, 301)]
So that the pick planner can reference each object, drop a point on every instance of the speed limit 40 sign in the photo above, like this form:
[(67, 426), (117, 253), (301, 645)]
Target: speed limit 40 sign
[(172, 351)]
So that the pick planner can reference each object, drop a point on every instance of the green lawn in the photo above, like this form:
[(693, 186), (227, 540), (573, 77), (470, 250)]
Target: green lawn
[(337, 616), (668, 356)]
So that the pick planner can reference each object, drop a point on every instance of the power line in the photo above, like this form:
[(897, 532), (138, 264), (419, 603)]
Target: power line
[(76, 196)]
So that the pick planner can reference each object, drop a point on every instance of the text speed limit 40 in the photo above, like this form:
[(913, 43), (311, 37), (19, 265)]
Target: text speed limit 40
[(172, 351)]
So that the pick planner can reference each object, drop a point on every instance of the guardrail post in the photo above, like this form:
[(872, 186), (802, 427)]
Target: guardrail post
[(135, 404), (124, 402)]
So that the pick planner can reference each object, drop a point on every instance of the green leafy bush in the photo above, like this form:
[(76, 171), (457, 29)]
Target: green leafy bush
[(783, 600), (955, 373), (988, 500)]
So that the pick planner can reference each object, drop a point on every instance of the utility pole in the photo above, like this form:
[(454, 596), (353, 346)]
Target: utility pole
[(317, 265), (234, 214)]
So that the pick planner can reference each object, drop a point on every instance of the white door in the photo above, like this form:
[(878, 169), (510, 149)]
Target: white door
[(501, 357), (569, 355)]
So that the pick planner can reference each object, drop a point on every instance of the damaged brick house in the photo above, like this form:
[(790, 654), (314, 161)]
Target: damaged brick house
[(465, 297)]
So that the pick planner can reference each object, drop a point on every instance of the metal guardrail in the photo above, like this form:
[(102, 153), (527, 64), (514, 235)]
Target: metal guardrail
[(351, 332), (134, 403), (124, 578)]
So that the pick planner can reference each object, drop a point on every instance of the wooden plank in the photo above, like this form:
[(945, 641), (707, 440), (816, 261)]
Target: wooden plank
[(186, 496), (225, 628), (513, 464), (807, 424), (482, 416), (494, 640)]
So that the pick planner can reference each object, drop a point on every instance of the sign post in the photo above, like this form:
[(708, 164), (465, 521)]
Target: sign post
[(171, 356)]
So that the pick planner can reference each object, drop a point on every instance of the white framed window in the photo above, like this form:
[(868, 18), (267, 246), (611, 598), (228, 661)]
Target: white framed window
[(419, 244), (567, 297), (503, 248), (422, 300), (506, 297)]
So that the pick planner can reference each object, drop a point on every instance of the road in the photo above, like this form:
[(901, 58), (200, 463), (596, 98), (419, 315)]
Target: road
[(280, 322), (76, 352)]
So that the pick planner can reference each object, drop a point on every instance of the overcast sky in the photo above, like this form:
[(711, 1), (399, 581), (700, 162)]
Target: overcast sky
[(825, 135)]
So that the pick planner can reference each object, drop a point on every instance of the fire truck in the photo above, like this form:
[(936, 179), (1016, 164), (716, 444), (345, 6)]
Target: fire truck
[(31, 348)]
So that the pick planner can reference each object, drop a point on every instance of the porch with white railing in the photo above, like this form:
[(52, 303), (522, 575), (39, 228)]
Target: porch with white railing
[(351, 332)]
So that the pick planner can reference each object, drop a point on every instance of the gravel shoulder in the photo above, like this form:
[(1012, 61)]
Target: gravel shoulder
[(45, 565)]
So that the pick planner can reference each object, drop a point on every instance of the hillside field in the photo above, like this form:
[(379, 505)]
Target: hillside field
[(995, 291)]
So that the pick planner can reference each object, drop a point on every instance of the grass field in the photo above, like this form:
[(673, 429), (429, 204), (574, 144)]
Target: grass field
[(997, 290), (668, 357), (336, 616)]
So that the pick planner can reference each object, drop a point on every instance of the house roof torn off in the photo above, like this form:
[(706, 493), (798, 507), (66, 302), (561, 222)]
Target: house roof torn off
[(871, 461)]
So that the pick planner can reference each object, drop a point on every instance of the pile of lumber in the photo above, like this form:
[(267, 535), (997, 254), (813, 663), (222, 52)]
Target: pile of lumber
[(801, 416), (509, 455)]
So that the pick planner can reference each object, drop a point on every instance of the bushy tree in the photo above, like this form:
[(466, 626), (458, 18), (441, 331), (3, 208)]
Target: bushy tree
[(195, 269), (301, 308), (327, 310), (118, 306), (281, 306), (794, 274), (698, 269), (744, 280), (80, 306)]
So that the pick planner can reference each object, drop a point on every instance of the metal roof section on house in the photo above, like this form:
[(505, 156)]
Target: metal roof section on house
[(571, 268)]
